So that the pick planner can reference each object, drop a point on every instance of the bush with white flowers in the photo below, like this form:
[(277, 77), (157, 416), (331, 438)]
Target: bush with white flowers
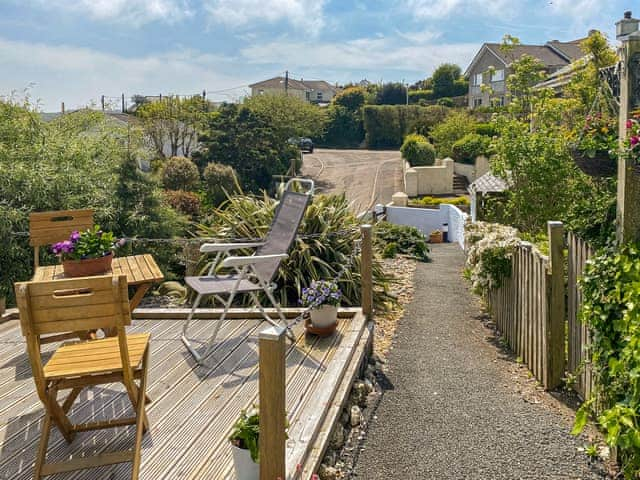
[(490, 248)]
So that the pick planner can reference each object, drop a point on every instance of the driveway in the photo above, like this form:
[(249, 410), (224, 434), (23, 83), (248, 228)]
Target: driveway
[(366, 176)]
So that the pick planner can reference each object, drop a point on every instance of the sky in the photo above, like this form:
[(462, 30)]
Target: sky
[(74, 51)]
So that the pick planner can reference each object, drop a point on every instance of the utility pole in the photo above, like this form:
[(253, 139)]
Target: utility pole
[(406, 87), (124, 110), (628, 201), (286, 83)]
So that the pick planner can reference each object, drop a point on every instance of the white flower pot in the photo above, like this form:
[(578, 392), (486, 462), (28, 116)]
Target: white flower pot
[(245, 467), (324, 316)]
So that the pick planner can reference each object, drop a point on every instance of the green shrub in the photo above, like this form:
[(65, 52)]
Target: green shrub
[(180, 173), (407, 240), (469, 147), (417, 150), (434, 201), (487, 129), (610, 310), (390, 250), (445, 102), (416, 95), (453, 128), (344, 127), (335, 229), (187, 203), (218, 181)]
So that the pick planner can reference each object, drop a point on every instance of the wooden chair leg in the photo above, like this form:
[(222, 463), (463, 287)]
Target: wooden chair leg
[(59, 416), (142, 423), (42, 448), (68, 402)]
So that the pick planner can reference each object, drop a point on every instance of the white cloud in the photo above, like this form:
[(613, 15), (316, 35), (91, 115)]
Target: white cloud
[(80, 75), (444, 8), (135, 12), (302, 14), (372, 54)]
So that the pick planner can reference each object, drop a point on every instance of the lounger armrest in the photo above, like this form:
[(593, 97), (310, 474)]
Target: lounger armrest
[(225, 247), (251, 260)]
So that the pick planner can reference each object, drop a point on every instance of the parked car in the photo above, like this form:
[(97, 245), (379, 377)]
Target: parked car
[(304, 144)]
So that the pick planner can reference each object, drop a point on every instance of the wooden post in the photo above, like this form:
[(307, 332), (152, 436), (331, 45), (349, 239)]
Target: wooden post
[(366, 271), (554, 330), (628, 204), (272, 389)]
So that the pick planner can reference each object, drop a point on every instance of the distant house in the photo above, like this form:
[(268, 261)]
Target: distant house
[(313, 91), (491, 67)]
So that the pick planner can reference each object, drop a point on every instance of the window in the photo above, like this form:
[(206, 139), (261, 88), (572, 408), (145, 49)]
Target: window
[(477, 79), (319, 96), (477, 102), (497, 76)]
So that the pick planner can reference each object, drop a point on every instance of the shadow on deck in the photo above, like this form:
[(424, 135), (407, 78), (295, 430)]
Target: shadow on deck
[(193, 407)]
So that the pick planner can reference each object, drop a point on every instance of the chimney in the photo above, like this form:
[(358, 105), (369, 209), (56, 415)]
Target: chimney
[(626, 26)]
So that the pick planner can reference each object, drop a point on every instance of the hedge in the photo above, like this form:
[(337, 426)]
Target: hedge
[(417, 150), (469, 147), (386, 125)]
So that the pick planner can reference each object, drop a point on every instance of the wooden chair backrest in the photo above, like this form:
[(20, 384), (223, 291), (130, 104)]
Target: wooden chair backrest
[(46, 228), (76, 304)]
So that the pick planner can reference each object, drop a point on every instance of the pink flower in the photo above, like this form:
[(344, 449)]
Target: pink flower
[(629, 124), (634, 141)]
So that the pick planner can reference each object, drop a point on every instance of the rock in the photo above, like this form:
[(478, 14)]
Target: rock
[(359, 394), (356, 416), (337, 438), (368, 385), (325, 472), (372, 398), (330, 458)]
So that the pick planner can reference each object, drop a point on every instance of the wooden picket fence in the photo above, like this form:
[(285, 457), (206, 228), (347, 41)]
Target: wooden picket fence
[(579, 252), (528, 308)]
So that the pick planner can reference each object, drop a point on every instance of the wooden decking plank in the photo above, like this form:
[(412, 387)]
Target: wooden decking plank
[(323, 392), (86, 408), (216, 466), (166, 403)]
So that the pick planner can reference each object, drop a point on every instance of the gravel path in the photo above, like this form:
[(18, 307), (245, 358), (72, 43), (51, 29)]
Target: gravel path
[(452, 408)]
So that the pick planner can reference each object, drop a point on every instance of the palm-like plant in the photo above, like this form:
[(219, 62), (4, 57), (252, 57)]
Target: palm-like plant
[(325, 243)]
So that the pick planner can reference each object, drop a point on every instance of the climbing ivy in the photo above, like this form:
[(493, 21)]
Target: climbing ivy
[(611, 310)]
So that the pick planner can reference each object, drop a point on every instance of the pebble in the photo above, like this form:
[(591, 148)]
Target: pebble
[(326, 472), (356, 416), (337, 438)]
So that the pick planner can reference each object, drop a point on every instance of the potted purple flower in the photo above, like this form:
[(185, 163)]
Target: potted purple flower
[(87, 253), (323, 296)]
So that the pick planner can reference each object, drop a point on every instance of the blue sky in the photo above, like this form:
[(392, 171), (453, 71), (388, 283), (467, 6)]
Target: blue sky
[(75, 51)]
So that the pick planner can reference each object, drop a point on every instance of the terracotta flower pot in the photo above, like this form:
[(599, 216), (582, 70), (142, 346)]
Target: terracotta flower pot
[(245, 467), (435, 237), (87, 267)]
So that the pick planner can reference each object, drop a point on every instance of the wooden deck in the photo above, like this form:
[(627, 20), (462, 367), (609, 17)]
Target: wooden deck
[(193, 407)]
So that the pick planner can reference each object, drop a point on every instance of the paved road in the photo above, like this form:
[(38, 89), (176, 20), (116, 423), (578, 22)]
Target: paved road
[(367, 176), (453, 408)]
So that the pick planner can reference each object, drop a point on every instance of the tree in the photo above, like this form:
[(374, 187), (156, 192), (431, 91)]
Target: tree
[(455, 126), (172, 124), (345, 127), (392, 94), (288, 116), (219, 181), (248, 142), (352, 98), (444, 78)]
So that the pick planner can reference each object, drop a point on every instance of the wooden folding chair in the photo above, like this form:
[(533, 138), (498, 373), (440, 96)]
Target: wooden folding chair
[(78, 304), (46, 228)]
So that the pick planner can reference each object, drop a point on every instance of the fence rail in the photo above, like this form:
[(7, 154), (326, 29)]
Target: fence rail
[(579, 252)]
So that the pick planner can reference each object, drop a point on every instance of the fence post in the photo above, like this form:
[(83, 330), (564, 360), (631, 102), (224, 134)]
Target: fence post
[(272, 392), (366, 271), (556, 300)]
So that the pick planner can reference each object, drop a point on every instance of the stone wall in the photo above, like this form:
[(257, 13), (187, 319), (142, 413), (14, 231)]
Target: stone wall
[(437, 179)]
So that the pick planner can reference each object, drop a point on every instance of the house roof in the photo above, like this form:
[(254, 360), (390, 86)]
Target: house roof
[(278, 82), (488, 183), (319, 85), (553, 54)]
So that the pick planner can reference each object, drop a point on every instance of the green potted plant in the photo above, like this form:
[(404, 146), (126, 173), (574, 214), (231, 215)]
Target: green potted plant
[(245, 448), (244, 444), (323, 296), (87, 253)]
